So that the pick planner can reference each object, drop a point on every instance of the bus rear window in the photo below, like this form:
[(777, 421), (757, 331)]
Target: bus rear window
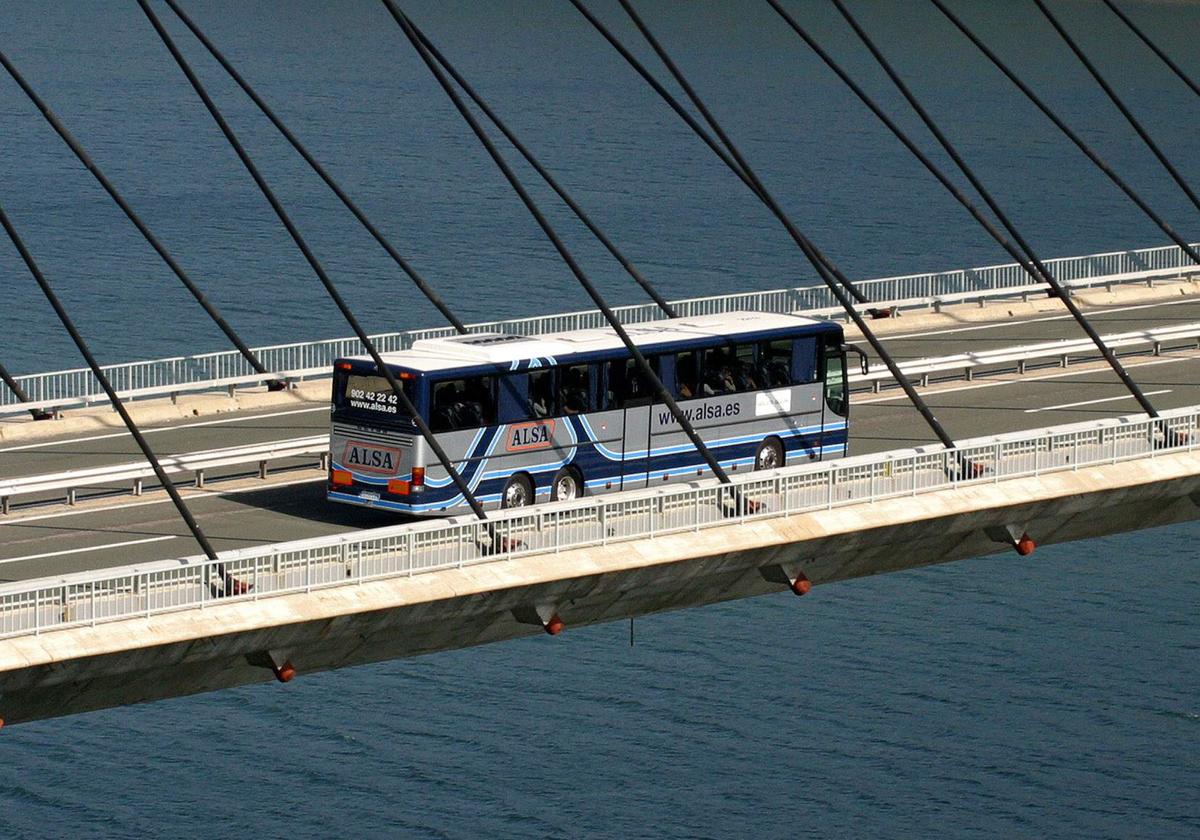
[(371, 392)]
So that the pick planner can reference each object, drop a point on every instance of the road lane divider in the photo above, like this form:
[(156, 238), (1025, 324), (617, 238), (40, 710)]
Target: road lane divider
[(87, 548)]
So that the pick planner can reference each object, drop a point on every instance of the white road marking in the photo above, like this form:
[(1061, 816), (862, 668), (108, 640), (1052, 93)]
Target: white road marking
[(223, 421), (16, 520), (86, 549), (1093, 402), (1001, 382), (1015, 321)]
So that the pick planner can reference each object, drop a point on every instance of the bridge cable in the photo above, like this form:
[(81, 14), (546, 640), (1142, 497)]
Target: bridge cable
[(115, 400), (1117, 101), (274, 384), (425, 289), (1070, 134), (13, 385), (810, 251), (1029, 261), (22, 395), (660, 390), (516, 143), (317, 268), (715, 146), (1187, 80)]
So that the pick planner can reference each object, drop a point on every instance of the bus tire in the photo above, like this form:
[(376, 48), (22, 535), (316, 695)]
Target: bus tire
[(770, 455), (567, 485), (518, 492)]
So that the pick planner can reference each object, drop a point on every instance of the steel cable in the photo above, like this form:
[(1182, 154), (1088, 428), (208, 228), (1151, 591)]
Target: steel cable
[(660, 390), (1033, 265), (155, 243), (314, 263), (1067, 130), (115, 400), (1120, 104), (805, 245), (316, 166)]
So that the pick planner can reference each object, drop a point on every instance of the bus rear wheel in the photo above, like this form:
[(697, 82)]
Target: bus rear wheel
[(770, 455), (566, 486), (518, 492)]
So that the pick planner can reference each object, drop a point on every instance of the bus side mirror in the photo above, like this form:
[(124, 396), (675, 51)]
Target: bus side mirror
[(862, 356)]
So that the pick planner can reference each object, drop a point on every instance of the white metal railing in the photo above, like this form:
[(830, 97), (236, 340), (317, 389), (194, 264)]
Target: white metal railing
[(136, 472), (34, 606), (209, 371), (1020, 357)]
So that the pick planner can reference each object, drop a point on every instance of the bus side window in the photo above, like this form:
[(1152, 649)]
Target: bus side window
[(575, 389), (463, 403), (804, 360), (541, 393), (745, 371), (513, 396), (687, 374), (638, 388), (626, 385), (729, 370), (775, 364), (613, 387)]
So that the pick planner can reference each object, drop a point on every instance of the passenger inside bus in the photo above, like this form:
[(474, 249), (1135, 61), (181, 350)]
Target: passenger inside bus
[(541, 394), (685, 375), (718, 373), (575, 390)]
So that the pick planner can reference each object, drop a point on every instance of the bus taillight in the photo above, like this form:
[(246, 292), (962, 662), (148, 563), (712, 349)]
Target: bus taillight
[(341, 477), (418, 477)]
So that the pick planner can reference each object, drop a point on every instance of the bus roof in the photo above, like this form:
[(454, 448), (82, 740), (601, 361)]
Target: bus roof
[(434, 354)]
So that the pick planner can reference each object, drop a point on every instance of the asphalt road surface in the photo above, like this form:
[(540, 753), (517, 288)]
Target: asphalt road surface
[(119, 529)]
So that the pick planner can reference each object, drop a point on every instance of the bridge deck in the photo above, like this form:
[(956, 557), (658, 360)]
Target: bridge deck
[(118, 530)]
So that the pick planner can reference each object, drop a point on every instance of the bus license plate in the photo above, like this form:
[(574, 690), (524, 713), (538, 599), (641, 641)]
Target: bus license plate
[(369, 496)]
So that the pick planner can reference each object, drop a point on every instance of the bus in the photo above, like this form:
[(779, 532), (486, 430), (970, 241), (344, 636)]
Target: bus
[(556, 416)]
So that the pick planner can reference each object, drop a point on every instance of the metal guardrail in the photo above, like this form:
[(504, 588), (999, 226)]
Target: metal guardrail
[(1022, 357), (136, 472), (211, 371), (31, 607)]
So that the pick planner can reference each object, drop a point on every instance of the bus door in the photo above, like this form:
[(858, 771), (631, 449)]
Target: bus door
[(630, 390), (837, 399)]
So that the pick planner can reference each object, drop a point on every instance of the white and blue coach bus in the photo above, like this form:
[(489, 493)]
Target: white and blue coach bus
[(561, 415)]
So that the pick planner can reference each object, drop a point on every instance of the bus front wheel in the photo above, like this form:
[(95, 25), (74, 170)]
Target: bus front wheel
[(518, 492), (770, 455), (566, 486)]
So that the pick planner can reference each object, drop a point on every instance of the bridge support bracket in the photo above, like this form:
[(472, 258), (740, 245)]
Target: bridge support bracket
[(543, 615), (1014, 535), (789, 575), (277, 662)]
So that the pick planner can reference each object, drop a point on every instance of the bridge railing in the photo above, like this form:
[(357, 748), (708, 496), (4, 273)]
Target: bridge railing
[(210, 371), (36, 606)]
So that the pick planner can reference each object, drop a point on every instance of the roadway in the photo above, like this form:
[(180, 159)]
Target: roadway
[(118, 530)]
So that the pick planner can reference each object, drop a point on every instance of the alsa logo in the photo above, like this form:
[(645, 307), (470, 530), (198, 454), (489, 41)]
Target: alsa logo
[(525, 436), (371, 459)]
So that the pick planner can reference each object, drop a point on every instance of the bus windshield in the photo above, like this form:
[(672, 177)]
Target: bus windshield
[(370, 392)]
